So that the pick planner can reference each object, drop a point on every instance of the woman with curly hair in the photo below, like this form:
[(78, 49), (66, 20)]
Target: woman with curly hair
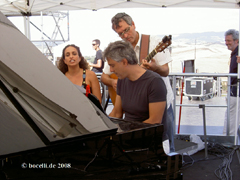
[(76, 69)]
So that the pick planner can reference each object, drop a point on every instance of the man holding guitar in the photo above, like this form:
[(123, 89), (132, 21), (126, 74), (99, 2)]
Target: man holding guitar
[(123, 24)]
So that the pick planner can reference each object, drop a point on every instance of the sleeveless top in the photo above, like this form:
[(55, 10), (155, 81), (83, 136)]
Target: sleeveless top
[(84, 79), (84, 84)]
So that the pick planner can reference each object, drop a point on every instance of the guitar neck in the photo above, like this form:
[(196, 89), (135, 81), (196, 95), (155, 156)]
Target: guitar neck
[(151, 55), (166, 41)]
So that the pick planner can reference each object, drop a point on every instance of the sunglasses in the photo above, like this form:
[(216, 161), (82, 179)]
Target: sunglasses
[(93, 44)]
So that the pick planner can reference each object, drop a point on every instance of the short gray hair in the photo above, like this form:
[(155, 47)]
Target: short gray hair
[(119, 50), (119, 17), (233, 32)]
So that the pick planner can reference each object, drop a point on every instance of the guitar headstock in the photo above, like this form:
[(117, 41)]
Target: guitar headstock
[(166, 41)]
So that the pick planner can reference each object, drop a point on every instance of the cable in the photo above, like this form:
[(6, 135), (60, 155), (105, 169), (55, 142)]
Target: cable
[(220, 152), (224, 171)]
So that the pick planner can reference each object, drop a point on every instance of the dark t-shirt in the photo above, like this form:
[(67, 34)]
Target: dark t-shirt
[(136, 95), (98, 56), (234, 69)]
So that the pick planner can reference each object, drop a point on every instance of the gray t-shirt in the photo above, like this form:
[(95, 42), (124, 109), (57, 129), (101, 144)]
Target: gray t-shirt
[(136, 95)]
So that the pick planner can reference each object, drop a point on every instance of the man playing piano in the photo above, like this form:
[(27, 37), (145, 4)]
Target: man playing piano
[(125, 27), (138, 89)]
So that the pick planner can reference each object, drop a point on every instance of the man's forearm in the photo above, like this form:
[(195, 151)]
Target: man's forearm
[(156, 111), (106, 79), (153, 121), (162, 70)]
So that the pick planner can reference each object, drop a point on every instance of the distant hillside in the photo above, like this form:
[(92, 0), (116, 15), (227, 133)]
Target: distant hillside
[(207, 48), (205, 37), (198, 38)]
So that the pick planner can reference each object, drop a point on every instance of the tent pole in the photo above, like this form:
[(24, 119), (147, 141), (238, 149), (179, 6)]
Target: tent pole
[(42, 32), (237, 104), (26, 27)]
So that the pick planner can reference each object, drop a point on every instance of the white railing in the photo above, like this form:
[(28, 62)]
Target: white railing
[(174, 76)]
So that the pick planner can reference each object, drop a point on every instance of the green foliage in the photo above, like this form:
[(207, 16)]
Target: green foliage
[(89, 58)]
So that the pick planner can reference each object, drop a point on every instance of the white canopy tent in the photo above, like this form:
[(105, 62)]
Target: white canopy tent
[(36, 6)]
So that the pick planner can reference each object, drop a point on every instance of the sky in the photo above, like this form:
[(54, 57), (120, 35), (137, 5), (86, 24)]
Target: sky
[(86, 25)]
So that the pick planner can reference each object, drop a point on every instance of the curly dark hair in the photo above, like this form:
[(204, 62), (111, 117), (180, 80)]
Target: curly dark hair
[(82, 64)]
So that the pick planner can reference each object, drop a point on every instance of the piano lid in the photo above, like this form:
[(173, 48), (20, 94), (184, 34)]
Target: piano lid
[(55, 108)]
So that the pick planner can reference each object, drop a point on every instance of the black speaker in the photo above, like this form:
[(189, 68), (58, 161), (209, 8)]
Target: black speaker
[(189, 66)]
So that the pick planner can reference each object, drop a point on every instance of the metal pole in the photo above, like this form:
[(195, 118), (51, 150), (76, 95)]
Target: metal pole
[(174, 102), (204, 129), (180, 110), (27, 27), (218, 87), (237, 104), (42, 31), (58, 27), (68, 26), (228, 105)]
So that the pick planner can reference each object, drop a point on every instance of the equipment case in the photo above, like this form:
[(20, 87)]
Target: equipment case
[(200, 87)]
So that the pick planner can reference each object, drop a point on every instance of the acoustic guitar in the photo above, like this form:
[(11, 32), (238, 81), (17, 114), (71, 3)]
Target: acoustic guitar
[(166, 41)]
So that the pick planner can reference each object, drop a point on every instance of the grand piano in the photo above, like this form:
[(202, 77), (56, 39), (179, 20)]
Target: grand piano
[(48, 129)]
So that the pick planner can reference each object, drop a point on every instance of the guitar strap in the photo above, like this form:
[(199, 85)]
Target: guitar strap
[(144, 47)]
